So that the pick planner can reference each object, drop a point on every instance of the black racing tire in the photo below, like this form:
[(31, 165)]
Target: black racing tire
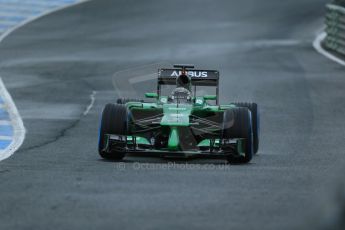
[(237, 123), (113, 121), (125, 100), (254, 109)]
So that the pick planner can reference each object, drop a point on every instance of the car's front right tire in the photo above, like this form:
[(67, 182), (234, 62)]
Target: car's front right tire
[(113, 121)]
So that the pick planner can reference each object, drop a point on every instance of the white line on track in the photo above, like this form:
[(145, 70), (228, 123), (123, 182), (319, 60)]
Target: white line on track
[(17, 122), (92, 102), (23, 23), (335, 7), (317, 45)]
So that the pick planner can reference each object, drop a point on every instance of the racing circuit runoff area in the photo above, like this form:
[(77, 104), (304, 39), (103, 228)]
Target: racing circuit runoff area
[(59, 71)]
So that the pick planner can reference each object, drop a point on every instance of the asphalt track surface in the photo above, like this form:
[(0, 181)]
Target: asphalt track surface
[(263, 49)]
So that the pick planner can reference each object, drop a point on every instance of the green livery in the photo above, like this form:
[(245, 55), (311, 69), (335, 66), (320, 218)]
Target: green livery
[(182, 123)]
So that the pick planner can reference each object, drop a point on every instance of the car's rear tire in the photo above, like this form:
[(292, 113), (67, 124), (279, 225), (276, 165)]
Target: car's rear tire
[(237, 123), (125, 100), (254, 109), (113, 121)]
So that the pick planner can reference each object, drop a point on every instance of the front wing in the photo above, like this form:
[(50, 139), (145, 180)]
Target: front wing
[(140, 146)]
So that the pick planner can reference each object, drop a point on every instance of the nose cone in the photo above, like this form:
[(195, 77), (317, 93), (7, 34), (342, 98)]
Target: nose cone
[(173, 142)]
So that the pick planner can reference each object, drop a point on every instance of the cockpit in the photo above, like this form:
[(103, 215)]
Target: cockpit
[(180, 95)]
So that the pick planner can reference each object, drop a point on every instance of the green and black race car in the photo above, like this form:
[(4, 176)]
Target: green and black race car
[(181, 124)]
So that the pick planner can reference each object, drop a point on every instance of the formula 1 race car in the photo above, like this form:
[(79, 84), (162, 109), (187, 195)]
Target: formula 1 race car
[(181, 124)]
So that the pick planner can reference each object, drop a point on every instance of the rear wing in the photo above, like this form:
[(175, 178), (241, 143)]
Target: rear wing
[(198, 77)]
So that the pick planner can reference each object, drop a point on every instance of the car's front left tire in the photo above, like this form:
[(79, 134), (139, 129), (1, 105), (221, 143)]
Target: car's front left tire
[(254, 109), (237, 124)]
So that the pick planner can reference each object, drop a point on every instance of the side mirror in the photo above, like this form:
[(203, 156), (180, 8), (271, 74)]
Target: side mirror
[(210, 97), (151, 95)]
